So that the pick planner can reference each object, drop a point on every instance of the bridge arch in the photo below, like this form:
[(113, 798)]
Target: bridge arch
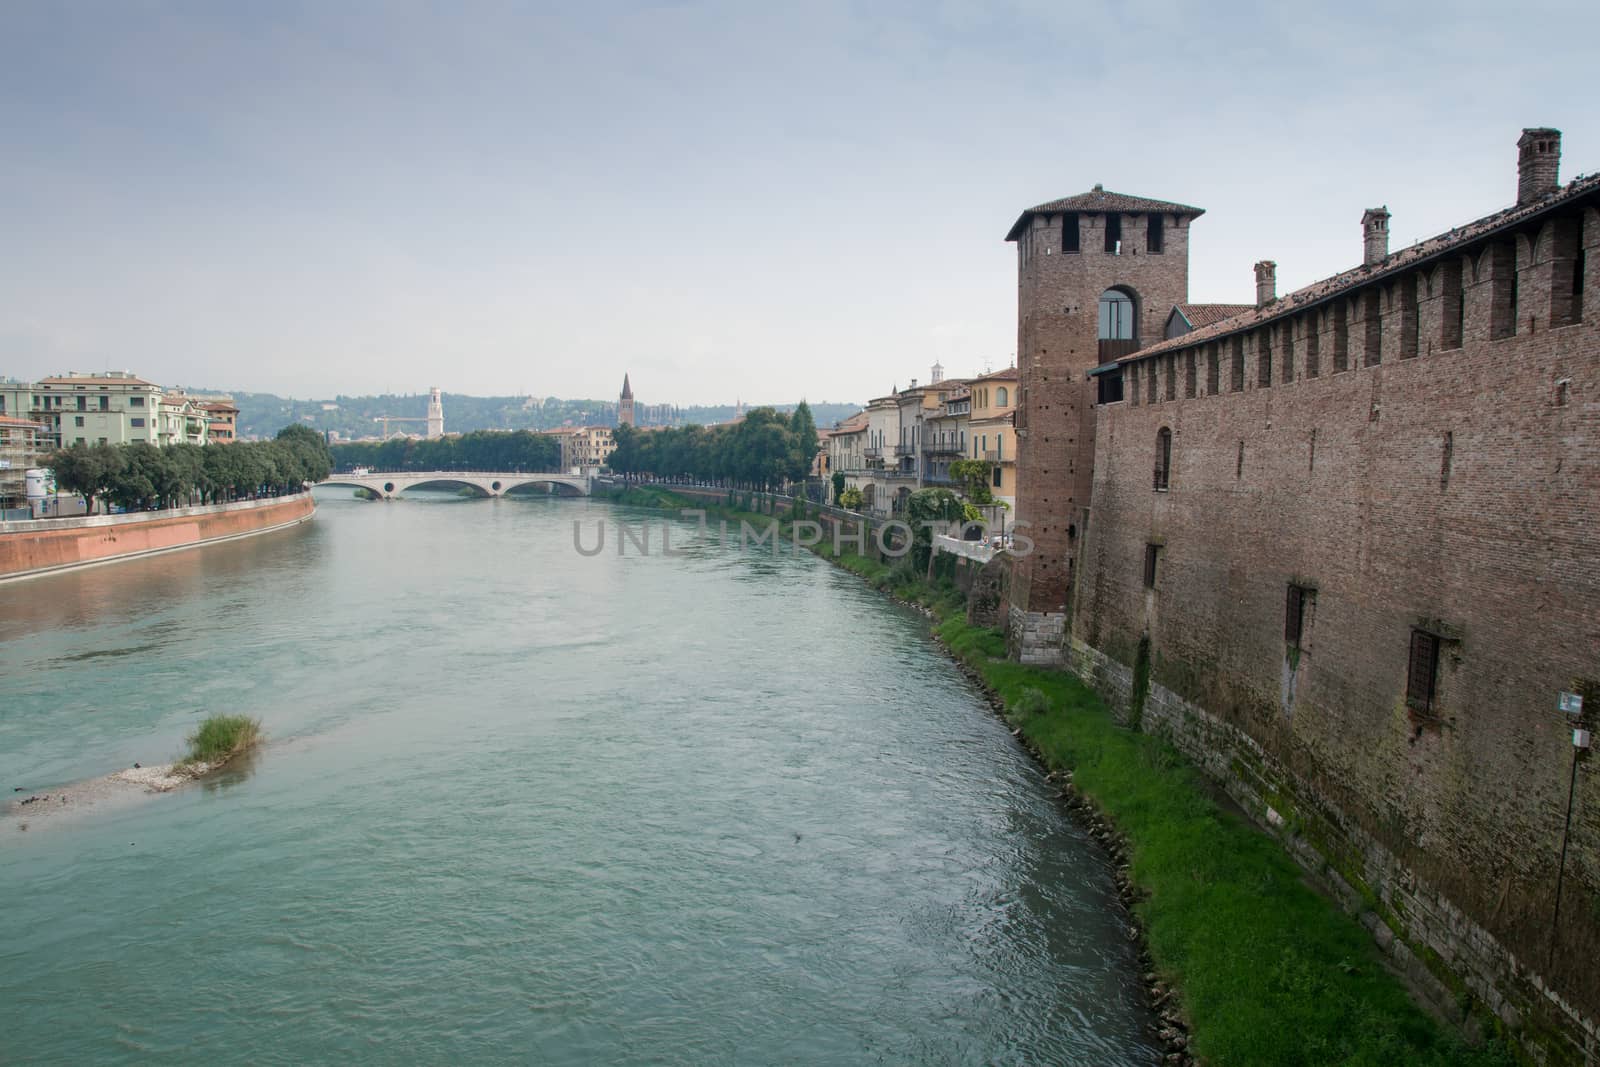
[(485, 483)]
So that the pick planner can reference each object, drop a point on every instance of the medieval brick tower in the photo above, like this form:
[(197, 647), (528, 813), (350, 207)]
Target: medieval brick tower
[(1097, 275), (625, 404)]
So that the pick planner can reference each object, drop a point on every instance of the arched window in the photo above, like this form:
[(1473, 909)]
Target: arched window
[(1000, 397), (1116, 316), (1163, 459)]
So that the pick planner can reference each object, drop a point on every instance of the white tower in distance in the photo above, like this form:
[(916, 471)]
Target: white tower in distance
[(435, 413)]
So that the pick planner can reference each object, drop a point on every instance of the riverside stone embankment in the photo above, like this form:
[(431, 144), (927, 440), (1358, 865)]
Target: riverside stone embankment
[(46, 546)]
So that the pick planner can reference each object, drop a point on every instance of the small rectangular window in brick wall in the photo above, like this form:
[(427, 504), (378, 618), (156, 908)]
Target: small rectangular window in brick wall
[(1150, 381), (1172, 376), (1151, 554), (1263, 342), (1190, 374), (1153, 238), (1294, 612), (1213, 369), (1422, 672), (1286, 342), (1238, 363)]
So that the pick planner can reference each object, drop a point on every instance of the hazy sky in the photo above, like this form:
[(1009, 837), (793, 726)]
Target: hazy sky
[(741, 199)]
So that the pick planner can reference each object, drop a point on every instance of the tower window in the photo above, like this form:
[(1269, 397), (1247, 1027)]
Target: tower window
[(1263, 358), (1116, 316), (1069, 232), (1151, 554), (1238, 363), (1163, 469), (1114, 234), (1154, 236), (1213, 370)]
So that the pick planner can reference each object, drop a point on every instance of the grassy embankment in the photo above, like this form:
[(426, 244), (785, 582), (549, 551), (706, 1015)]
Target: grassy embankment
[(217, 740), (1267, 971)]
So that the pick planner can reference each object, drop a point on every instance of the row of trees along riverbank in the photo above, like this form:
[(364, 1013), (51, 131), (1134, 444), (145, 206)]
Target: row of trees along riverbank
[(482, 450), (763, 450), (140, 476)]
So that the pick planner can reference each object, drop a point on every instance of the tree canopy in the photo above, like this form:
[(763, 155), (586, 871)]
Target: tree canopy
[(139, 475), (762, 451), (482, 450)]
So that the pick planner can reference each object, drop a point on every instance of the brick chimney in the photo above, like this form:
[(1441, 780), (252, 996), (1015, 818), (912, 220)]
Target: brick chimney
[(1375, 235), (1538, 164), (1266, 282)]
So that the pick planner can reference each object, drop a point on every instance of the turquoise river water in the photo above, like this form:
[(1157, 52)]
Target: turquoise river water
[(519, 804)]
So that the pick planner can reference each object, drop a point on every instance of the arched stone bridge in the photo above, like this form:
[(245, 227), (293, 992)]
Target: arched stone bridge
[(488, 483)]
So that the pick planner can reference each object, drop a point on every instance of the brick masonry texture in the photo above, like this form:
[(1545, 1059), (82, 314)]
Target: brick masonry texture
[(1057, 344), (1413, 467)]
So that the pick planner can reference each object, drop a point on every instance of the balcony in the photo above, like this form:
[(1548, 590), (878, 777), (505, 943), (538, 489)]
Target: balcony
[(905, 450), (872, 453), (1111, 350), (951, 449), (992, 457)]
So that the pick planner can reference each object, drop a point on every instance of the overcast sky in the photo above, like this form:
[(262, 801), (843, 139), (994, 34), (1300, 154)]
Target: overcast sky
[(753, 200)]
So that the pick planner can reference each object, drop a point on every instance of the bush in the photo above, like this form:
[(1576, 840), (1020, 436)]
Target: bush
[(1030, 702), (220, 738)]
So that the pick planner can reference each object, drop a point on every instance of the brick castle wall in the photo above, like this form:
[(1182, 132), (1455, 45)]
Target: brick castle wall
[(1426, 485)]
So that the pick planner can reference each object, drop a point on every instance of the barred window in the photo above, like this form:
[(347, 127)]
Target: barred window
[(1423, 673)]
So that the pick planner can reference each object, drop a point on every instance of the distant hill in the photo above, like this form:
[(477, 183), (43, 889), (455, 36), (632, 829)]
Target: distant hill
[(354, 417)]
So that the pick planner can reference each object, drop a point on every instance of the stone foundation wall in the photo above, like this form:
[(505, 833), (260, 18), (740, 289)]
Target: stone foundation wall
[(1453, 961), (48, 545), (1036, 638)]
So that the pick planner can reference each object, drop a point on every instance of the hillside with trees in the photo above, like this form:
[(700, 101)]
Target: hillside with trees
[(481, 450), (355, 417)]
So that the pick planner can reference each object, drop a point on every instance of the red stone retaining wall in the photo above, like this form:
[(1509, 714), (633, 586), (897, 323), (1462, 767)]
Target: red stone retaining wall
[(28, 548)]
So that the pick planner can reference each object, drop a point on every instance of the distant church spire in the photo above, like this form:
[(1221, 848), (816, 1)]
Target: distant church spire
[(625, 404)]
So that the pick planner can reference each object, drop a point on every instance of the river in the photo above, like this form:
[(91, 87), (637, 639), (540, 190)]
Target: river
[(523, 804)]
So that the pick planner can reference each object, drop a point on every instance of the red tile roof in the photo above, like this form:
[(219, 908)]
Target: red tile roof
[(1393, 264), (1198, 315), (1101, 201)]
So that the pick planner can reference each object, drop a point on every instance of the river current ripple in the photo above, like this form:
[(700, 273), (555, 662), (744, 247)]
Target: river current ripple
[(525, 805)]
